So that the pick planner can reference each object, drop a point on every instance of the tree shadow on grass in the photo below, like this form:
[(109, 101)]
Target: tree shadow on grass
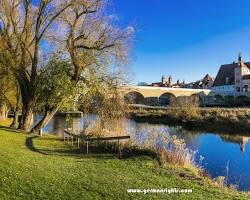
[(9, 129), (103, 151), (71, 151), (29, 144), (45, 151)]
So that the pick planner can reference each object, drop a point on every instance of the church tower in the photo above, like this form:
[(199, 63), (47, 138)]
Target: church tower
[(240, 70), (163, 79), (170, 80), (240, 58)]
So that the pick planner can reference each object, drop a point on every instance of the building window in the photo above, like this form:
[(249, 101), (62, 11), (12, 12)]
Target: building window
[(245, 88)]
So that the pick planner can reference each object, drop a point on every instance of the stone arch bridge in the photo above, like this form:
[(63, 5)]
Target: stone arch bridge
[(159, 95), (149, 95), (231, 98)]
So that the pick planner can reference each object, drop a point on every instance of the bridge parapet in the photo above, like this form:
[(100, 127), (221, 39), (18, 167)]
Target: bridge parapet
[(234, 94), (150, 91)]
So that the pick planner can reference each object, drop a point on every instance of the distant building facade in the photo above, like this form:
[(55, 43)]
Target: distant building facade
[(233, 77), (165, 82), (205, 83), (168, 82)]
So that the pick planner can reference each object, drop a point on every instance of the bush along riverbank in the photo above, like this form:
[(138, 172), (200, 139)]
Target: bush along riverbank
[(237, 119), (45, 168)]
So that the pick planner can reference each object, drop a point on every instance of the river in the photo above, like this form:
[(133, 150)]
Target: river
[(220, 150)]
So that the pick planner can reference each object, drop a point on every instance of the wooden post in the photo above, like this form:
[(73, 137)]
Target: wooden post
[(83, 141), (67, 139), (78, 143), (87, 146), (119, 149), (41, 132), (64, 137), (72, 140)]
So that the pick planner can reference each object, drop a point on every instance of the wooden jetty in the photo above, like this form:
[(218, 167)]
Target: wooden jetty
[(71, 137)]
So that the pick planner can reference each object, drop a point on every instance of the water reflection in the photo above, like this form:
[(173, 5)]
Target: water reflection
[(218, 149), (240, 140)]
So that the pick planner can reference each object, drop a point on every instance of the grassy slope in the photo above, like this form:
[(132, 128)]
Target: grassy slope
[(44, 168)]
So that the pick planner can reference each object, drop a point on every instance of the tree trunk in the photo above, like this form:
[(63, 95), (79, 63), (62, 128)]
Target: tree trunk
[(3, 111), (7, 113), (27, 120), (21, 120), (17, 110), (16, 118), (49, 113), (27, 115)]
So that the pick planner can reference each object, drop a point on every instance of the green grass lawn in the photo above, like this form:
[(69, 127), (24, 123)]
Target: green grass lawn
[(45, 168)]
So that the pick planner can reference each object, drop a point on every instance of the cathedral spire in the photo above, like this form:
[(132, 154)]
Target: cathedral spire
[(240, 57), (163, 79)]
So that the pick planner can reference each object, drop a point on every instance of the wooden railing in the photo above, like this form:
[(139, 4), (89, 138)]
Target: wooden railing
[(67, 136)]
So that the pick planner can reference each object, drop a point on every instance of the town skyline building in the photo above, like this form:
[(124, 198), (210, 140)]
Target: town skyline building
[(234, 77)]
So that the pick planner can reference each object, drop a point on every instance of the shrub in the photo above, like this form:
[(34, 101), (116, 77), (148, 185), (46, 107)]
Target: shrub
[(186, 108), (107, 127), (176, 153), (169, 149), (220, 180)]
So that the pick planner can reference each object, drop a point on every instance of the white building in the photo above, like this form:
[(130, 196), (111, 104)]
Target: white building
[(233, 77)]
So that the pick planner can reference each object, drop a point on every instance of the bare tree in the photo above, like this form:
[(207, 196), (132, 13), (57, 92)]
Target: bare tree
[(91, 42), (23, 27), (80, 27)]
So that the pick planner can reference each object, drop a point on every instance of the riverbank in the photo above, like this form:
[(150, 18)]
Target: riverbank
[(44, 168), (233, 119)]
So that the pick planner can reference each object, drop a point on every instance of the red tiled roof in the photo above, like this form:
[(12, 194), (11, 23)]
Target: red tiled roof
[(227, 72), (224, 72)]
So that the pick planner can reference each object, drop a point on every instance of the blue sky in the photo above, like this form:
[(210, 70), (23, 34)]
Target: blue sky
[(186, 39)]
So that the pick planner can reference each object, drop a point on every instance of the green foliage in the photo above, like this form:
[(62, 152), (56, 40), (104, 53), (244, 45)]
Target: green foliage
[(8, 90), (102, 97), (55, 87)]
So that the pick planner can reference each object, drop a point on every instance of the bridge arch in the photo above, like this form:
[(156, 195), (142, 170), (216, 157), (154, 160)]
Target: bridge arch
[(166, 98), (134, 97), (229, 100), (219, 99), (242, 100)]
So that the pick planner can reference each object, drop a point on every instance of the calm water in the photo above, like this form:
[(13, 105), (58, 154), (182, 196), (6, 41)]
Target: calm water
[(218, 150)]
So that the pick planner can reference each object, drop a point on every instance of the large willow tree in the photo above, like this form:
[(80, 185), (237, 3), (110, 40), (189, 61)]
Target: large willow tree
[(81, 31)]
